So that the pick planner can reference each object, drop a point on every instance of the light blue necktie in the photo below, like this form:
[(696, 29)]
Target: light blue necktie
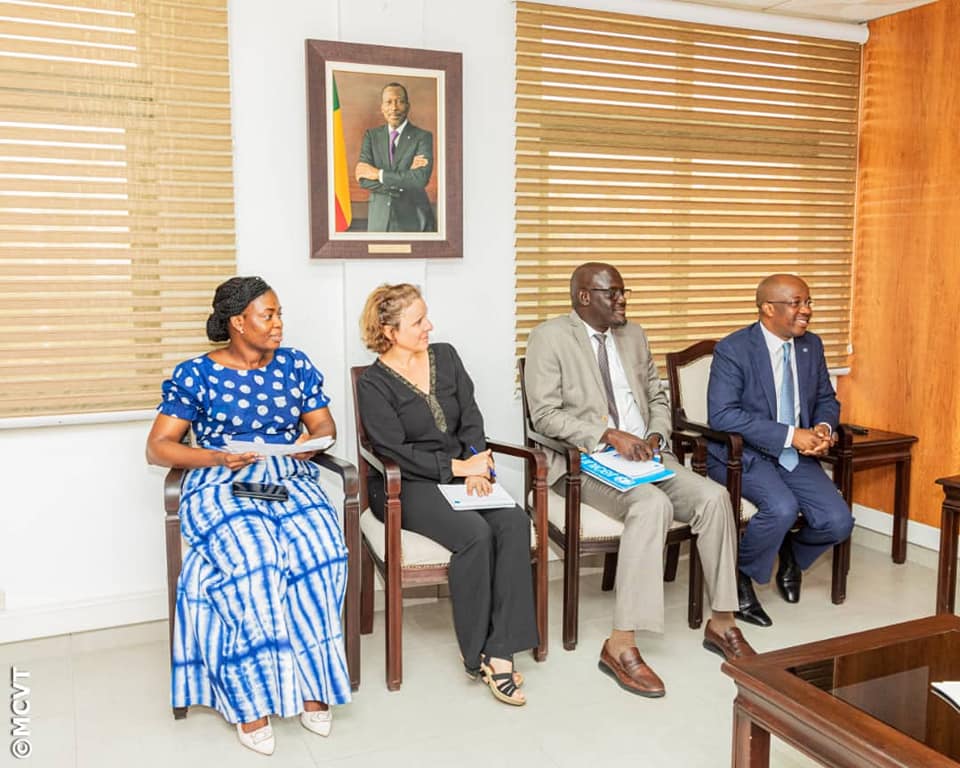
[(788, 456)]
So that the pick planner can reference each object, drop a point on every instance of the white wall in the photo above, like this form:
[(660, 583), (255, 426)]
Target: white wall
[(81, 539)]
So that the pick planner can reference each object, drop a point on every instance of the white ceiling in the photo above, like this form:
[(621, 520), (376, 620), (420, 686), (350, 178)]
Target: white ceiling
[(832, 10)]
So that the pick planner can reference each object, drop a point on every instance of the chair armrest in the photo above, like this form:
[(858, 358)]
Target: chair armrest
[(733, 440), (570, 453), (386, 467), (171, 491), (535, 457), (343, 468)]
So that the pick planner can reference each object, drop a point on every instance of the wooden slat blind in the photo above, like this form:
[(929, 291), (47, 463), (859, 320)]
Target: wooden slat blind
[(116, 197), (697, 159)]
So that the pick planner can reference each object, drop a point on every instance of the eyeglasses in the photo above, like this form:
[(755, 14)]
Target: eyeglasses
[(613, 293), (794, 303)]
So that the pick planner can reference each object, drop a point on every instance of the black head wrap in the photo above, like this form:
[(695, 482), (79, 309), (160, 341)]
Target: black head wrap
[(230, 299)]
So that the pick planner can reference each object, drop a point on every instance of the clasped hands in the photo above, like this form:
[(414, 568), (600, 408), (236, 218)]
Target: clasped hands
[(630, 446), (477, 471), (813, 442), (372, 173)]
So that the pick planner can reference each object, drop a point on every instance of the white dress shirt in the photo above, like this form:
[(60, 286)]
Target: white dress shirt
[(631, 420)]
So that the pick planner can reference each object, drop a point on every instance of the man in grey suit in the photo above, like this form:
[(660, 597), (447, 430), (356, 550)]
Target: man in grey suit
[(591, 381), (396, 161)]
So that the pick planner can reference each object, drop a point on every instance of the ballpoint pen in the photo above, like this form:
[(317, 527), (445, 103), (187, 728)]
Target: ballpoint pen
[(493, 472)]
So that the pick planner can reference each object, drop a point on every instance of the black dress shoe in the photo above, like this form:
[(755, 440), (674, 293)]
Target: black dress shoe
[(750, 609), (788, 572)]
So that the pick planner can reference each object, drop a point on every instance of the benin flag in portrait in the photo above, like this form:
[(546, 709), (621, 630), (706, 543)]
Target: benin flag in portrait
[(341, 181)]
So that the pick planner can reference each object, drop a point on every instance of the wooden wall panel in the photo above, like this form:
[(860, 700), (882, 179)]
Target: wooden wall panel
[(907, 259)]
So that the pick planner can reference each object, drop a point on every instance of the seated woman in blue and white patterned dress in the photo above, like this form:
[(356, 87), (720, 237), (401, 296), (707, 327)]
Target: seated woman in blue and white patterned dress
[(260, 593)]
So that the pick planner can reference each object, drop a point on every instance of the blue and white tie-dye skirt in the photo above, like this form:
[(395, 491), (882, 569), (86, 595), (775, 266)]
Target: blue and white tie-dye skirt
[(259, 600)]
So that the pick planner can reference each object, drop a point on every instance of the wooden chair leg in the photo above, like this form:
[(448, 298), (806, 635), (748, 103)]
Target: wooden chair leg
[(672, 559), (351, 618), (366, 591), (174, 563), (695, 599), (540, 587), (841, 565), (394, 633), (609, 571), (571, 595)]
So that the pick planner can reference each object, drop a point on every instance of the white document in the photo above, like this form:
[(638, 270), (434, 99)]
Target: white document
[(279, 449), (616, 462), (949, 691), (458, 498)]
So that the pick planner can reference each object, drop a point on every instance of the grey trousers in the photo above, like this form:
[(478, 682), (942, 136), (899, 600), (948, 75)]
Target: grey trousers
[(646, 513)]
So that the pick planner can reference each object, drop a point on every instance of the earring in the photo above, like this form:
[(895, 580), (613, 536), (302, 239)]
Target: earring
[(241, 331)]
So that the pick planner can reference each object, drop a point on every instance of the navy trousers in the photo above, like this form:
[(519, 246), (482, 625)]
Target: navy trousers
[(780, 496)]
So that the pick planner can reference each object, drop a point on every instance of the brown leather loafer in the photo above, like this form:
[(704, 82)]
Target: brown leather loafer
[(731, 644), (631, 673)]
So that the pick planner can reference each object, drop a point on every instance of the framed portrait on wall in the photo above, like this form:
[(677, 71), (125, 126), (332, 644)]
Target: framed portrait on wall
[(384, 126)]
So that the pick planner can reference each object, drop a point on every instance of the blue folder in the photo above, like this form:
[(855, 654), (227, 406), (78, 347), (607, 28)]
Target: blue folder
[(592, 467)]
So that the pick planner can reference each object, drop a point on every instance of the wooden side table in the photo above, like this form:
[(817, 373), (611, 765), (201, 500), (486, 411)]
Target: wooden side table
[(949, 527), (878, 448)]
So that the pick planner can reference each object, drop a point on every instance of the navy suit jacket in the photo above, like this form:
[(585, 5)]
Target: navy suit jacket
[(741, 396)]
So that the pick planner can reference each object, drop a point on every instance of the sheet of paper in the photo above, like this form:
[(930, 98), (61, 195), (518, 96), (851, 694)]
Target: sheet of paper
[(618, 463), (949, 690), (458, 498), (279, 449)]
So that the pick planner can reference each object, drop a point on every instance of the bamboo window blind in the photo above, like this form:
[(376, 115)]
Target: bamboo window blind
[(697, 159), (116, 197)]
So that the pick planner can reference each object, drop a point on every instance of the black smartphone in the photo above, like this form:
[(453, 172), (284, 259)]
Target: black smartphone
[(267, 491)]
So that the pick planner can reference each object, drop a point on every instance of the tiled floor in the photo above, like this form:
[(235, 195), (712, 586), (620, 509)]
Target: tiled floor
[(100, 699)]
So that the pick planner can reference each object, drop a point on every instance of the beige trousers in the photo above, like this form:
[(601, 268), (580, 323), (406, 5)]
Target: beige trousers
[(646, 513)]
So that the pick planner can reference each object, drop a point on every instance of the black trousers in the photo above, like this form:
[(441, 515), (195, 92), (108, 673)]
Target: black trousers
[(491, 582)]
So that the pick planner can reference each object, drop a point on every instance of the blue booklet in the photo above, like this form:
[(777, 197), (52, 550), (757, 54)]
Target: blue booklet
[(611, 468)]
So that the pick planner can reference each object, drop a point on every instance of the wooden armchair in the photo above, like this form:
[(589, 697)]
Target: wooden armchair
[(579, 529), (688, 372), (351, 532), (407, 559)]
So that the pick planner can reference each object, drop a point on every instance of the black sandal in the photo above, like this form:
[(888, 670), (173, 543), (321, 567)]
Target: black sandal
[(474, 673), (502, 684)]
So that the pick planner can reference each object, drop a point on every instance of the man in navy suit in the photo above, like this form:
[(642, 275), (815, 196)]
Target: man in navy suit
[(396, 161), (769, 382)]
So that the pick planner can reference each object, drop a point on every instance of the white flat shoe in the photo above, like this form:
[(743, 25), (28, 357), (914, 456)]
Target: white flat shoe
[(317, 722), (260, 740)]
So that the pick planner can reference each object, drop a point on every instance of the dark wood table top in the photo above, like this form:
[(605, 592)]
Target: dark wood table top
[(882, 437), (951, 483), (865, 698)]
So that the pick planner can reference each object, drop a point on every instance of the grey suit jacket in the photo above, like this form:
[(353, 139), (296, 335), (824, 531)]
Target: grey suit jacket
[(400, 202), (565, 392)]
